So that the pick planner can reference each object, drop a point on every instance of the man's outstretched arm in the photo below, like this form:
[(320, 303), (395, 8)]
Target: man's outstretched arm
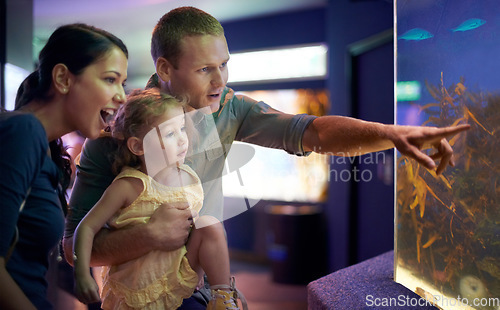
[(345, 136)]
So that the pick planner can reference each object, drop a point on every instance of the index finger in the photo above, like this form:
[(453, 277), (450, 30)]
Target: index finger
[(435, 134), (452, 130)]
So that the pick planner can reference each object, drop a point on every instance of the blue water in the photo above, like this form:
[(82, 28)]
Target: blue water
[(472, 53), (458, 254)]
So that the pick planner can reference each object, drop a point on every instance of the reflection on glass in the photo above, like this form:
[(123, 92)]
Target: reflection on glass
[(448, 226)]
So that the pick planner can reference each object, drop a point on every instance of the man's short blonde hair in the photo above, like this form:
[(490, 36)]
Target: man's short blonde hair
[(177, 24)]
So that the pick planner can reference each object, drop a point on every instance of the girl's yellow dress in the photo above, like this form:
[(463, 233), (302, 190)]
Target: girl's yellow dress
[(159, 279)]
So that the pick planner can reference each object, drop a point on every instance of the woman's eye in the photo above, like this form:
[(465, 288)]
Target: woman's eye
[(183, 128), (169, 134), (110, 80)]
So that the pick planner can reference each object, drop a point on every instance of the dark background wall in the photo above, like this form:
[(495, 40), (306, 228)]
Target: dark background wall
[(358, 215), (359, 211), (289, 29)]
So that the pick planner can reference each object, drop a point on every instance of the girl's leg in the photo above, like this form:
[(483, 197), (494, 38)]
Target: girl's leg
[(207, 249)]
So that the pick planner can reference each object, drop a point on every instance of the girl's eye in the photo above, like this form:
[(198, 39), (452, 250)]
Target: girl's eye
[(183, 128), (110, 80), (170, 134)]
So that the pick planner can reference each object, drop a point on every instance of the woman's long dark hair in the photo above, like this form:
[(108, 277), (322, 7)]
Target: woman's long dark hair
[(77, 46)]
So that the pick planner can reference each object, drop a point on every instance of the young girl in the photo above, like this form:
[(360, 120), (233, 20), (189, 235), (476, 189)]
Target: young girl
[(78, 81), (160, 279)]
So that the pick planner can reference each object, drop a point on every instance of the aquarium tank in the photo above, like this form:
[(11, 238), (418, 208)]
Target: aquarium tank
[(447, 227)]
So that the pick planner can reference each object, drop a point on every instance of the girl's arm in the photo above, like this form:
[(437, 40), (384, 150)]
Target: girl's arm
[(120, 193)]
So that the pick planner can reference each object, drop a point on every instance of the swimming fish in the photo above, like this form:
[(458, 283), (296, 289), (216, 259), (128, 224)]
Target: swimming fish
[(416, 34), (469, 24)]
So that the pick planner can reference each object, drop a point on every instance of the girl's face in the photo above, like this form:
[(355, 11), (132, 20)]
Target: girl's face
[(96, 93), (173, 136)]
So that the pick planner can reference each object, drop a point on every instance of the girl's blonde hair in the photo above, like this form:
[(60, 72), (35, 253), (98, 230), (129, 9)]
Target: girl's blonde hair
[(136, 117)]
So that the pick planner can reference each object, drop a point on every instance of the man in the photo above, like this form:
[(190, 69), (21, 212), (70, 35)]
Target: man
[(191, 55)]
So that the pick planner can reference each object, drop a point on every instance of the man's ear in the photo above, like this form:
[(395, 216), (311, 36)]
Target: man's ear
[(135, 146), (163, 69), (62, 78)]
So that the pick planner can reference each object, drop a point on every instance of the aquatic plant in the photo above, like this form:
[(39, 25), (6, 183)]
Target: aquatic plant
[(449, 225)]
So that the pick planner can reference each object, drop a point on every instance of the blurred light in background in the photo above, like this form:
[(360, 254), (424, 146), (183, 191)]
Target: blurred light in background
[(14, 76), (408, 90), (294, 63)]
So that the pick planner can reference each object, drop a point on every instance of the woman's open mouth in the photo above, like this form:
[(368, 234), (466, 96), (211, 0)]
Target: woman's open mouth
[(107, 115)]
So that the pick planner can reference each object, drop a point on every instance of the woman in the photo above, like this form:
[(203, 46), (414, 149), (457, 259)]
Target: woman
[(78, 83)]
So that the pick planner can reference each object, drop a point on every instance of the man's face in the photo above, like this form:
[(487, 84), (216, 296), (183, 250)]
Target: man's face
[(201, 72)]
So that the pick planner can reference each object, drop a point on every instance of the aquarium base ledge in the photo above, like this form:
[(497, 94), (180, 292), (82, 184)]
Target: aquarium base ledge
[(367, 285)]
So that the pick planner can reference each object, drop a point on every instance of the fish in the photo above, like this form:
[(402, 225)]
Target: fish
[(416, 34), (469, 24)]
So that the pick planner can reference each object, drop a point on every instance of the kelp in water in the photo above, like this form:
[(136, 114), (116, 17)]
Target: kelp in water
[(448, 226)]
